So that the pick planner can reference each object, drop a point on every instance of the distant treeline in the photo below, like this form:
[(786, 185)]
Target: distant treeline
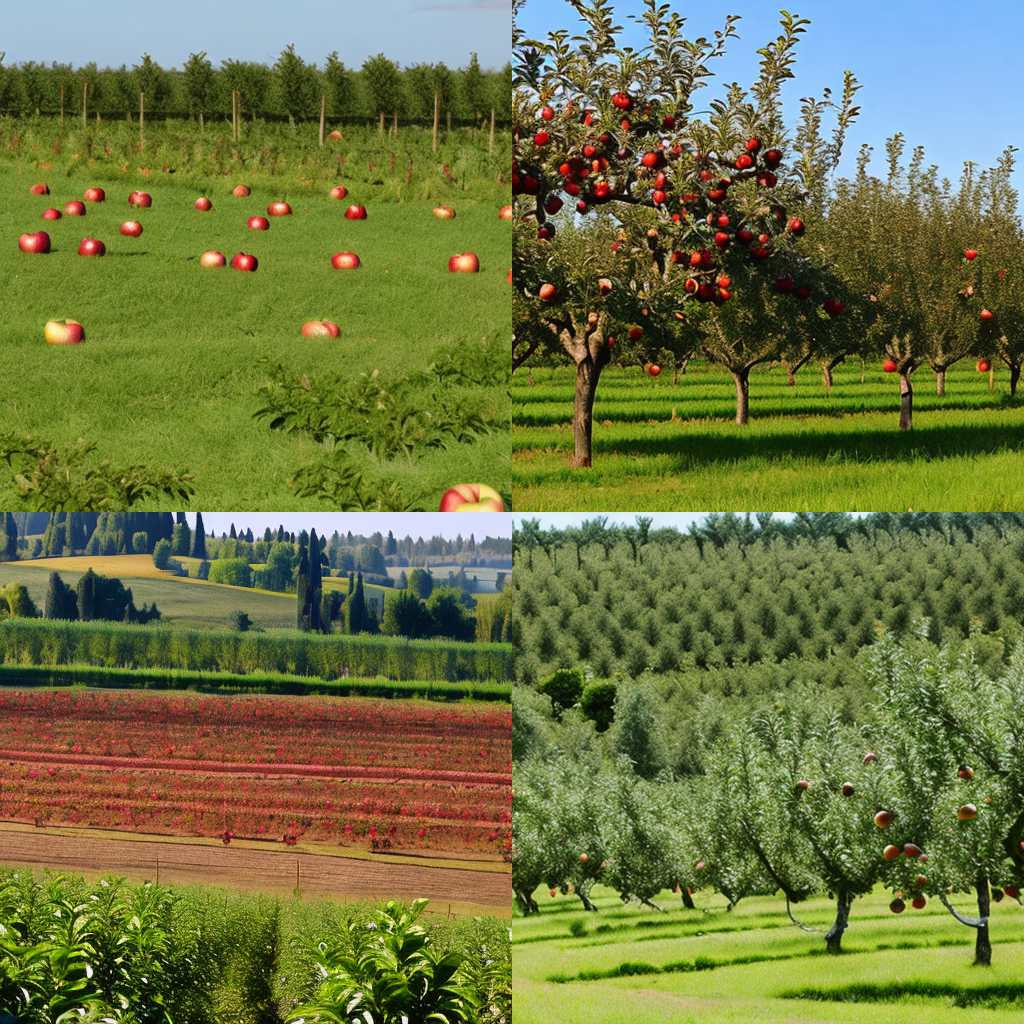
[(291, 87)]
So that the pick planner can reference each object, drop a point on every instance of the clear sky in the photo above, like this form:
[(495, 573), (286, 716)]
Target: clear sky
[(415, 524), (115, 32), (945, 74)]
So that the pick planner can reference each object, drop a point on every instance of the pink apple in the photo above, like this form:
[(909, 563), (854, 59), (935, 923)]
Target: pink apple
[(345, 261), (444, 212), (258, 223), (51, 214), (75, 209), (279, 208), (40, 190), (320, 329), (212, 258), (95, 195), (143, 199), (91, 247), (471, 498), (241, 191), (332, 327), (464, 263), (505, 213), (355, 212), (335, 136), (339, 192), (131, 229), (64, 332), (203, 203), (34, 241), (244, 261)]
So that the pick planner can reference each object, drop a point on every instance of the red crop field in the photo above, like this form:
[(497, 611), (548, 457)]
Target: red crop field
[(387, 775)]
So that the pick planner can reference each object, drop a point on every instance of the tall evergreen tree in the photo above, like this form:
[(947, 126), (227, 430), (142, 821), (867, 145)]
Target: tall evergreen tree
[(9, 539), (181, 539), (356, 619), (61, 601), (199, 538), (302, 591), (233, 534), (87, 596), (316, 586)]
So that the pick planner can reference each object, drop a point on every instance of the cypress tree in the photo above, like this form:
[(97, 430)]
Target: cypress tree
[(199, 538), (302, 591), (316, 585), (233, 535), (357, 620), (61, 602), (181, 539), (9, 545), (166, 526), (87, 596)]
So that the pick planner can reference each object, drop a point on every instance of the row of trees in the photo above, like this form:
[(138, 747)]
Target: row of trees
[(646, 232), (94, 597), (291, 86), (925, 798)]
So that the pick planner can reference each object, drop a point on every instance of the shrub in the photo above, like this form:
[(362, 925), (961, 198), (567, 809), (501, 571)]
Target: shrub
[(598, 703), (564, 688), (162, 554), (235, 572)]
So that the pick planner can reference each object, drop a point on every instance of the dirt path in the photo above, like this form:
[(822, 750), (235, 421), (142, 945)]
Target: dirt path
[(238, 866)]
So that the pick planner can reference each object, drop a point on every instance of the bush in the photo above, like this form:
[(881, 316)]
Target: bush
[(598, 703), (564, 688), (240, 621), (140, 543), (235, 572), (162, 554)]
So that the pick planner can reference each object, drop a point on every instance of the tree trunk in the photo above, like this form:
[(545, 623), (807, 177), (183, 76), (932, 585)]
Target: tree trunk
[(940, 381), (437, 120), (790, 378), (588, 373), (585, 900), (742, 379), (826, 376), (323, 117), (527, 904), (1014, 378), (834, 936), (982, 942), (688, 900), (490, 141), (906, 402), (202, 121), (992, 378)]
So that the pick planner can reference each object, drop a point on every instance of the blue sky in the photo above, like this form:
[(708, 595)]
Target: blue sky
[(945, 74), (115, 32), (416, 524)]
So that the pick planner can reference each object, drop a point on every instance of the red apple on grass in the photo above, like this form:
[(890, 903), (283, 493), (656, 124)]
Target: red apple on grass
[(95, 195), (345, 261), (91, 247), (356, 212), (212, 258), (258, 223), (51, 214), (64, 332), (654, 370), (279, 208), (142, 199), (444, 212), (986, 314), (970, 255), (339, 192), (40, 190), (505, 213), (203, 203), (244, 261), (464, 263), (320, 329), (131, 229), (471, 498), (241, 191), (75, 208), (34, 241)]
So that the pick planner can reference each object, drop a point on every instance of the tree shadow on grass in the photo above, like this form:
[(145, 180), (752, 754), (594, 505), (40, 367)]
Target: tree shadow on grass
[(695, 449)]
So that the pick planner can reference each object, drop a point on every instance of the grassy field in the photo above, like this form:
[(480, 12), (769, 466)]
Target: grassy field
[(185, 602), (682, 966), (170, 371), (659, 446)]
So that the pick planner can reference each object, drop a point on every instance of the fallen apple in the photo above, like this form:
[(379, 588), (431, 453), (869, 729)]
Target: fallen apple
[(241, 191), (355, 212), (318, 329), (444, 212), (279, 208), (142, 199), (244, 261), (212, 258), (345, 261), (335, 136), (34, 241), (464, 263), (94, 195), (91, 247), (547, 292), (970, 255), (505, 213), (203, 203), (654, 370), (258, 223), (471, 498), (40, 190), (339, 192), (75, 208), (131, 229), (51, 214), (64, 332)]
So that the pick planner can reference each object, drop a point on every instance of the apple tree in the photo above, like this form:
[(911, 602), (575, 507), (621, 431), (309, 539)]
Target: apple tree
[(699, 200)]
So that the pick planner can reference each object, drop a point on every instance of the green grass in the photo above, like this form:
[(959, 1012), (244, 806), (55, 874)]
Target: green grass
[(661, 447), (169, 373), (182, 602), (707, 964)]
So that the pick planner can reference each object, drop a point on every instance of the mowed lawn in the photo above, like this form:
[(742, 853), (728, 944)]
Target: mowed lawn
[(170, 370), (659, 446), (686, 966), (183, 602)]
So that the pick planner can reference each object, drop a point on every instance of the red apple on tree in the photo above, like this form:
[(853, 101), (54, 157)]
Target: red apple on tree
[(204, 204), (471, 498), (131, 229), (983, 366), (51, 214), (345, 261), (967, 812), (883, 819), (464, 263), (94, 195), (75, 208), (356, 212), (897, 906), (970, 255), (919, 902), (891, 852), (35, 242), (890, 366), (212, 258), (258, 223), (91, 247), (63, 332), (244, 261)]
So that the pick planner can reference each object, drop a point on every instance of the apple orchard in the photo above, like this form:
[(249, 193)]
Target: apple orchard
[(654, 223)]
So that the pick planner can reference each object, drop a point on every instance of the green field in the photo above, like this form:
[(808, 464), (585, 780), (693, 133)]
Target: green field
[(659, 446), (707, 964), (170, 371)]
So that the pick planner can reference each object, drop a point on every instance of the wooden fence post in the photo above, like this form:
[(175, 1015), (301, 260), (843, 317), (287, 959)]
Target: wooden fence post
[(323, 117), (437, 116), (448, 121), (381, 122), (490, 144), (394, 123)]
